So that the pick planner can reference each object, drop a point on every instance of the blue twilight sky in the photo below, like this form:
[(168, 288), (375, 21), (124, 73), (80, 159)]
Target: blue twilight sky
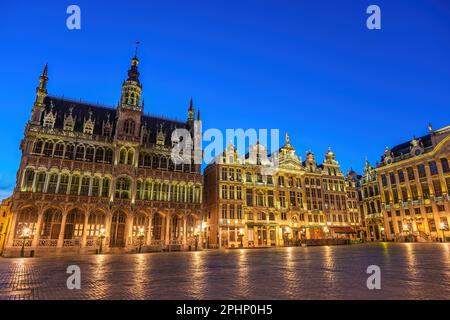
[(311, 68)]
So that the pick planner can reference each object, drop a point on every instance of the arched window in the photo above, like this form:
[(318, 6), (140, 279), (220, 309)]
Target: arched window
[(139, 190), (48, 148), (85, 182), (155, 161), (37, 148), (105, 187), (63, 183), (51, 224), (28, 180), (95, 187), (108, 156), (157, 227), (99, 154), (128, 127), (123, 188), (123, 156), (59, 150), (40, 181), (74, 224), (163, 163), (130, 156), (74, 185), (27, 219), (80, 152), (96, 222), (90, 153), (52, 183), (70, 152), (140, 225)]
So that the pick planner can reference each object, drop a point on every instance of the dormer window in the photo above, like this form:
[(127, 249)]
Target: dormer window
[(49, 120), (88, 127)]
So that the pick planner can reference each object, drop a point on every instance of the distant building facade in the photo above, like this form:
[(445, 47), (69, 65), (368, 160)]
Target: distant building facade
[(5, 221), (93, 177), (414, 182), (247, 207)]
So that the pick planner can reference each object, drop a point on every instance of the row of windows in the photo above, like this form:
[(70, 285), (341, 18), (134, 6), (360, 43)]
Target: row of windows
[(149, 190), (65, 183), (91, 153), (411, 174), (75, 184), (403, 193), (72, 152)]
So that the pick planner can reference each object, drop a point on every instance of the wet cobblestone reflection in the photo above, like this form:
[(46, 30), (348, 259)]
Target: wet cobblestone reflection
[(408, 271)]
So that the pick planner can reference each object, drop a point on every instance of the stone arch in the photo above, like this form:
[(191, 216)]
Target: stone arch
[(74, 226), (117, 230), (51, 223), (27, 219)]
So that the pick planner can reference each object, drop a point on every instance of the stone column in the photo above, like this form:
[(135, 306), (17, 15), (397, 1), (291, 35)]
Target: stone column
[(61, 231), (86, 221), (149, 230), (129, 230), (184, 230), (38, 229), (167, 238)]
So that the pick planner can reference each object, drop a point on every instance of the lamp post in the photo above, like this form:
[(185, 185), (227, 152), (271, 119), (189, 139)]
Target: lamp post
[(141, 236), (383, 234), (241, 236), (25, 235), (101, 237), (442, 226)]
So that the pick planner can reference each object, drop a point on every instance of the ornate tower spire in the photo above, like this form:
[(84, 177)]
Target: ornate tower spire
[(41, 93), (132, 87), (191, 111), (198, 114)]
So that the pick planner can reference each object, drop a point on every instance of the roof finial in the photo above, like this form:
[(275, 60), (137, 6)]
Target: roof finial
[(136, 49), (430, 127)]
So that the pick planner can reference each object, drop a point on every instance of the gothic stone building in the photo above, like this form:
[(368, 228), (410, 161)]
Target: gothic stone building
[(246, 206), (94, 176), (414, 183)]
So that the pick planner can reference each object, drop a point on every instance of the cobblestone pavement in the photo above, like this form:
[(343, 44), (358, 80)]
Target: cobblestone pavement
[(408, 271)]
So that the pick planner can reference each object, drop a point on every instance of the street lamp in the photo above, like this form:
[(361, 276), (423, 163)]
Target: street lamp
[(196, 234), (241, 236), (25, 235), (442, 226), (383, 234), (141, 236), (101, 237)]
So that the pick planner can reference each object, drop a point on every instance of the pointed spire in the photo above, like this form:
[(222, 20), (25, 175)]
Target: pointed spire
[(198, 114), (191, 110), (44, 73)]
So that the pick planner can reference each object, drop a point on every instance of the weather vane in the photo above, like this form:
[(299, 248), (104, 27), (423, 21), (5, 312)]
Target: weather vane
[(137, 46)]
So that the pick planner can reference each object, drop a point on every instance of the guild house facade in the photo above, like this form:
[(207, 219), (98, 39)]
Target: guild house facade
[(95, 178), (413, 181), (299, 201)]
